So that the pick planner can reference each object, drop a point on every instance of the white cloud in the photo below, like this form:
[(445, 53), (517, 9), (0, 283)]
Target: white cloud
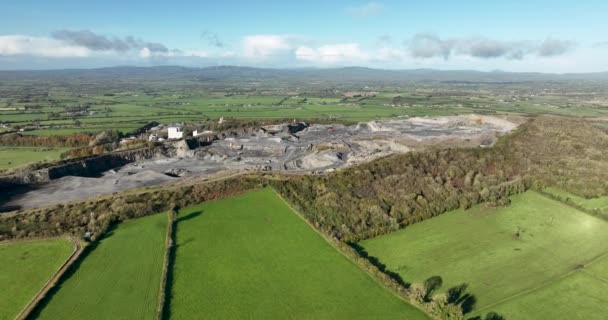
[(11, 45), (175, 53), (145, 53), (367, 10), (264, 46), (333, 53), (149, 53)]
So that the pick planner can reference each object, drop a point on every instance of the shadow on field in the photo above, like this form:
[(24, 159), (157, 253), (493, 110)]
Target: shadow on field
[(381, 266), (457, 295), (489, 316), (70, 271), (189, 216), (171, 262), (170, 274)]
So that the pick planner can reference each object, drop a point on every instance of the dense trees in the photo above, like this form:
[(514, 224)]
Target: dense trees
[(54, 141), (396, 191)]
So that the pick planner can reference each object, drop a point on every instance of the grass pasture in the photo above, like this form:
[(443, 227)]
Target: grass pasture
[(12, 157), (118, 279), (25, 268), (252, 257), (557, 246), (582, 294)]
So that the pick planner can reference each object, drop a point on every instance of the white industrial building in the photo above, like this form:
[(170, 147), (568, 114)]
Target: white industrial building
[(175, 132), (195, 133)]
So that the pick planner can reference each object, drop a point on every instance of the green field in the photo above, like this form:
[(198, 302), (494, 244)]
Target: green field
[(119, 279), (480, 247), (87, 129), (25, 268), (133, 108), (252, 257), (11, 157), (582, 294)]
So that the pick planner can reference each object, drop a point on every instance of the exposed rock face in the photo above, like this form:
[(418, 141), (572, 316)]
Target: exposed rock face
[(182, 149), (471, 120), (89, 167), (177, 172), (285, 128), (368, 149), (320, 160)]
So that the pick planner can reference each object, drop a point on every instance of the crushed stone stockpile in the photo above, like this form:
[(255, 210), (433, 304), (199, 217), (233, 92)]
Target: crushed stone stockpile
[(308, 149)]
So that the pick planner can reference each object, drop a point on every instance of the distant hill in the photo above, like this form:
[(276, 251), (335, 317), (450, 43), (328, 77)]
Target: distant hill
[(338, 75)]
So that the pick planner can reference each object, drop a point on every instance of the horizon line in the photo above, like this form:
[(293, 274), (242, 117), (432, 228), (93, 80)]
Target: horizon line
[(300, 68)]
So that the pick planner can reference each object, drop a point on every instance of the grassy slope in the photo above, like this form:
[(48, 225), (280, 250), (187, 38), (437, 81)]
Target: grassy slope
[(11, 157), (251, 257), (119, 279), (478, 247), (25, 268)]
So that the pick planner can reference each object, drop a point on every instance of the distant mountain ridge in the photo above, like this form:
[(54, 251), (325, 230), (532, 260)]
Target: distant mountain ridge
[(345, 74)]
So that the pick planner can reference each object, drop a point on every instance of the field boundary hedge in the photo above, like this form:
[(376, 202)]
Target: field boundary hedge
[(169, 247)]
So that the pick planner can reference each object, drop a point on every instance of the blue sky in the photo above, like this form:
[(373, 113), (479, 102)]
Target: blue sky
[(546, 36)]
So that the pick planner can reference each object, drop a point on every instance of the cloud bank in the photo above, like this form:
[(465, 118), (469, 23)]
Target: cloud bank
[(96, 42), (422, 50), (426, 45), (85, 43), (13, 45)]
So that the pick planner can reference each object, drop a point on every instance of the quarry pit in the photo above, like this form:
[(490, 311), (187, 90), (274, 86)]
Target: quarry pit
[(289, 148)]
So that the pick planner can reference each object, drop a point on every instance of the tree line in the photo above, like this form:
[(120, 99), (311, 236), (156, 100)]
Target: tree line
[(51, 141)]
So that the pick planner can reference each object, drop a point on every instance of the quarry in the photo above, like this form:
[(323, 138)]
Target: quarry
[(295, 148)]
